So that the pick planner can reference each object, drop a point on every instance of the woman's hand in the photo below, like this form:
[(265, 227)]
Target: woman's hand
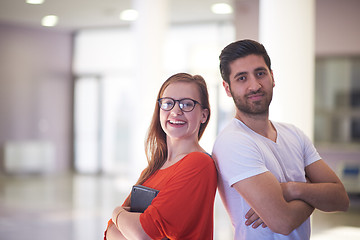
[(112, 233), (116, 213), (128, 224)]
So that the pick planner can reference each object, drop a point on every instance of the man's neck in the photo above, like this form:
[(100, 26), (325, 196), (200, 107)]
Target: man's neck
[(259, 123)]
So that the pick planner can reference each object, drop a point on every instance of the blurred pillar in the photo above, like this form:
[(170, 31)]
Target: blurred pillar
[(149, 32), (246, 19), (286, 28)]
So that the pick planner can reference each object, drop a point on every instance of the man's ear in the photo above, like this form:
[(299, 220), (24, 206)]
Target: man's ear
[(272, 76), (227, 88)]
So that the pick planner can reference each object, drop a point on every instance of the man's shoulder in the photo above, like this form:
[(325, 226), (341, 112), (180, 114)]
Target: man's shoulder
[(285, 126), (233, 129), (235, 138), (287, 129)]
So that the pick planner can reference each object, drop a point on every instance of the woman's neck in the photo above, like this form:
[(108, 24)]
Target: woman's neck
[(178, 149)]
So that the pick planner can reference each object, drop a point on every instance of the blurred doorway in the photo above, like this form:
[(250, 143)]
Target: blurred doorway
[(101, 124)]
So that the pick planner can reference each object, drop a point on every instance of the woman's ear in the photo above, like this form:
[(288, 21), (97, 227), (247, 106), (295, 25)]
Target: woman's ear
[(205, 115)]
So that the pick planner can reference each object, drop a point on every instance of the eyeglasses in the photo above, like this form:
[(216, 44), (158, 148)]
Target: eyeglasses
[(185, 104)]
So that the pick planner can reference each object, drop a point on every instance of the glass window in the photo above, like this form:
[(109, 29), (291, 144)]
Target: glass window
[(108, 54), (337, 100)]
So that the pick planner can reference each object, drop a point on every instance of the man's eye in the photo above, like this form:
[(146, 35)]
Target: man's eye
[(261, 73)]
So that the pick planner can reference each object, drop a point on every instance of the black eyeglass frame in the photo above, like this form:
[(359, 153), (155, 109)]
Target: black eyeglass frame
[(180, 104)]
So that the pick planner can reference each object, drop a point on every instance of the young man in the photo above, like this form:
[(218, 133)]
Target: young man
[(270, 172)]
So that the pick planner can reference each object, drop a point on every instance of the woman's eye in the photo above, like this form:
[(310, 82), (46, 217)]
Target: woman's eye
[(167, 104), (189, 104)]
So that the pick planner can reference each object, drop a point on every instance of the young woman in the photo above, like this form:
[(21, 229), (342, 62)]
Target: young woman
[(178, 167)]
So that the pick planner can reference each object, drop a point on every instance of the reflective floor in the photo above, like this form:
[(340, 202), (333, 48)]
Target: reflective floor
[(78, 207)]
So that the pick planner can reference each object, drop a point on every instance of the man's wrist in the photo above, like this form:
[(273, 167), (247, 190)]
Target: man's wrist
[(296, 190)]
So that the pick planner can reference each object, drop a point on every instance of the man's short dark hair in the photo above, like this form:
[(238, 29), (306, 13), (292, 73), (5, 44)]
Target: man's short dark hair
[(240, 49)]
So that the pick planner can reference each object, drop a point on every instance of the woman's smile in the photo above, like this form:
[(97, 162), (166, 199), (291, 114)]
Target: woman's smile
[(176, 122)]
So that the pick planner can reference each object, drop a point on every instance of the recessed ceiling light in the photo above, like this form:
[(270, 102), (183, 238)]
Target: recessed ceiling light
[(221, 8), (49, 21), (129, 15), (35, 1)]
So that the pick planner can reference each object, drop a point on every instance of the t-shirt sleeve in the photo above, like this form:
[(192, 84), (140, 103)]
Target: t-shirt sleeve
[(185, 202), (311, 155), (237, 157)]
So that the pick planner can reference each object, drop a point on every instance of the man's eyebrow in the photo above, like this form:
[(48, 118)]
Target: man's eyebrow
[(239, 74), (255, 70), (260, 69)]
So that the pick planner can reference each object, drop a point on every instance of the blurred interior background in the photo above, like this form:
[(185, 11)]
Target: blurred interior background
[(79, 78)]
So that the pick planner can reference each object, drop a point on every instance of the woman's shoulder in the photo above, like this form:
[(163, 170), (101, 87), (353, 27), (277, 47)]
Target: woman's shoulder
[(201, 155), (198, 159), (196, 167)]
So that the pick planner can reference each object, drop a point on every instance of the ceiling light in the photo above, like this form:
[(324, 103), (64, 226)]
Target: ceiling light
[(49, 21), (35, 1), (129, 15), (221, 8)]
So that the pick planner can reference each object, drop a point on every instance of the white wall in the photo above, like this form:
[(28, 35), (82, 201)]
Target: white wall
[(337, 28), (36, 89), (35, 71), (336, 25)]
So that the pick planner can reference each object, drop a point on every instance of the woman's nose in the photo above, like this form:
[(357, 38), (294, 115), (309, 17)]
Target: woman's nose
[(176, 109)]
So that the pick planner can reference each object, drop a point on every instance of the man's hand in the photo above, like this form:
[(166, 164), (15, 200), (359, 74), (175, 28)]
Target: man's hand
[(289, 189), (278, 214), (323, 189), (254, 219)]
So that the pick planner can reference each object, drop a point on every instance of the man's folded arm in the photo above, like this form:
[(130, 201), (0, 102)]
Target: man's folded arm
[(264, 194), (324, 191)]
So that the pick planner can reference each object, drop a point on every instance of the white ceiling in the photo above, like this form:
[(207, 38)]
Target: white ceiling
[(79, 14)]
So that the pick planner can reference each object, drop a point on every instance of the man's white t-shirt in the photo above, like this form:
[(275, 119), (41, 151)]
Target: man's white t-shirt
[(240, 153)]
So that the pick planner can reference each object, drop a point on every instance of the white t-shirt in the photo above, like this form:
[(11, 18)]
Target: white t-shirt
[(240, 153)]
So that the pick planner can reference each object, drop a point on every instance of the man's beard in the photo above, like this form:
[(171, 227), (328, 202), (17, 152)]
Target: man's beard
[(255, 108)]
